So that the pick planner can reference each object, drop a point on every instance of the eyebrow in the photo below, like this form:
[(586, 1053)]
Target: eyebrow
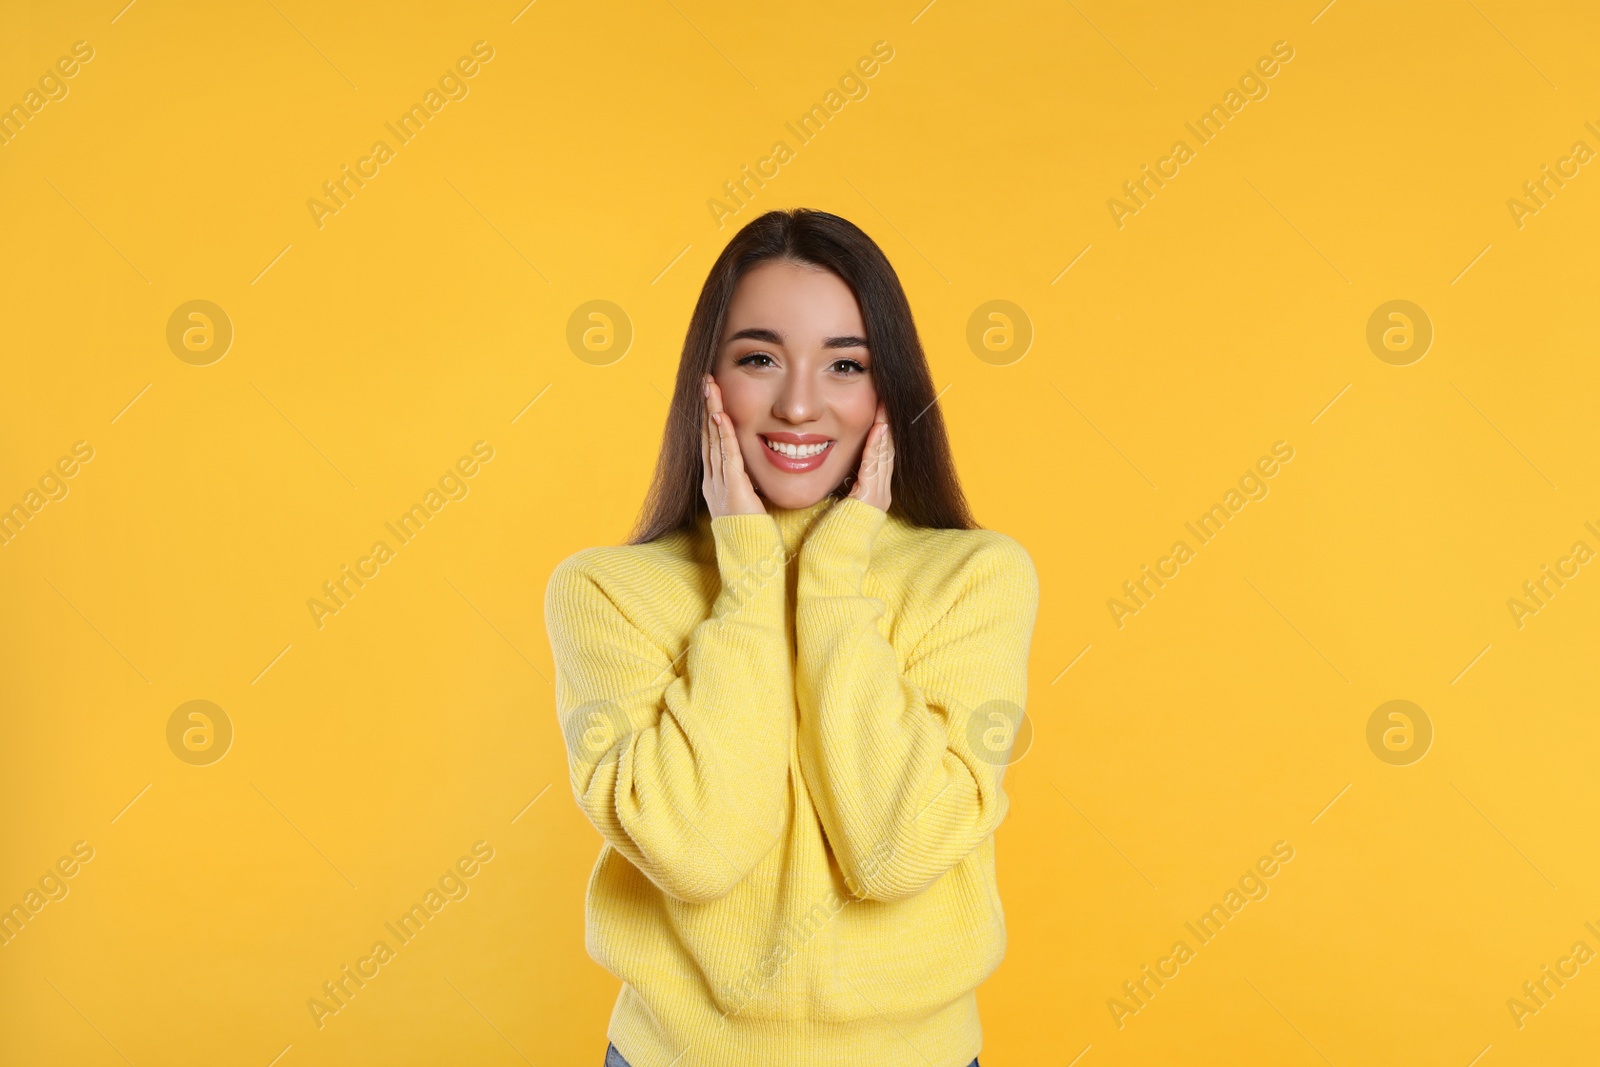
[(773, 337)]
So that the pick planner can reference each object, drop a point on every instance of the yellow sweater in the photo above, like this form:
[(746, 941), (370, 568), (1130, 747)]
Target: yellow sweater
[(794, 759)]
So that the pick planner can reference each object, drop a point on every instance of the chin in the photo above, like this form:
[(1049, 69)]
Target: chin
[(796, 496), (796, 493)]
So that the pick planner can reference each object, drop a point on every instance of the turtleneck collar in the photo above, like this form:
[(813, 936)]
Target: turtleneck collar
[(794, 524)]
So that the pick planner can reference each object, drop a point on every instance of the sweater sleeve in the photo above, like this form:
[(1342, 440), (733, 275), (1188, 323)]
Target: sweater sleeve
[(681, 761), (904, 766)]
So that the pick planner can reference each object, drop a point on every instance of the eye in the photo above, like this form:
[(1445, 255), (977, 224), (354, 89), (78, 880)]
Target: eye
[(851, 366), (749, 359)]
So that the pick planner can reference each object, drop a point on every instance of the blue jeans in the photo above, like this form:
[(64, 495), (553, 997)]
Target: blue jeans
[(614, 1058)]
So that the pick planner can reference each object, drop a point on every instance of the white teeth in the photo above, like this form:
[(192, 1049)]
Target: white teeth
[(797, 451)]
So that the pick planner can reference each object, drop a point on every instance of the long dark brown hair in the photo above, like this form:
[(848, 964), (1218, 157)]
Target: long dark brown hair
[(923, 489)]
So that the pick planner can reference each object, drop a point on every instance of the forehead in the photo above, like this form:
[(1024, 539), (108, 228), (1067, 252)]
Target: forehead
[(799, 301)]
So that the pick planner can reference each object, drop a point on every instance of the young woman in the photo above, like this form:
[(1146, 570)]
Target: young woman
[(789, 698)]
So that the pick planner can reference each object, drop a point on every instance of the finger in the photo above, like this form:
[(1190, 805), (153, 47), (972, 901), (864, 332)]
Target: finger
[(705, 435), (705, 446), (864, 468), (885, 463), (729, 460), (714, 472), (732, 458), (869, 464), (718, 481), (715, 400), (879, 432), (713, 406)]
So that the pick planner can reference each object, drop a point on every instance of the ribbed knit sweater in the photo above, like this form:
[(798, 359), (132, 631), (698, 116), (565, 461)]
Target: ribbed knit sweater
[(790, 730)]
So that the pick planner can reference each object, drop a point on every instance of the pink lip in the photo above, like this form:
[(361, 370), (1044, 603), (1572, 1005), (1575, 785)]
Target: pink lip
[(797, 466)]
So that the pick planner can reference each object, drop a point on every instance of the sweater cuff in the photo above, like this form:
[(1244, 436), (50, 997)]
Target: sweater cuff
[(834, 558), (750, 556)]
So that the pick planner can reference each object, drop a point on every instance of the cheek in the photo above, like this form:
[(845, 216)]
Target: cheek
[(740, 399), (743, 403), (857, 419)]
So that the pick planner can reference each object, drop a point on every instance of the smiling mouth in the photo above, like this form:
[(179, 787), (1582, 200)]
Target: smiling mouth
[(806, 454)]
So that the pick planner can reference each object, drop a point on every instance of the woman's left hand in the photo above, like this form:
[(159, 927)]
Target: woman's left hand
[(877, 464)]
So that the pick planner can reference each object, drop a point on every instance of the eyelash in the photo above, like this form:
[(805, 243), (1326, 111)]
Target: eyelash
[(742, 360)]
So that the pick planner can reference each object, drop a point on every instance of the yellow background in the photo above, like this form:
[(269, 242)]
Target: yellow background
[(427, 314)]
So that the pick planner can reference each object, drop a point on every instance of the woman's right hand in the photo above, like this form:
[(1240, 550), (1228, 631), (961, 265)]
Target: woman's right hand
[(726, 486)]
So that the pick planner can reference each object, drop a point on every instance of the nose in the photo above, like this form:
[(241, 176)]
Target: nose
[(797, 399)]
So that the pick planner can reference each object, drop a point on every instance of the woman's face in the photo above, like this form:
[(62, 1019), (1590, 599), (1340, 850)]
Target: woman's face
[(794, 370)]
